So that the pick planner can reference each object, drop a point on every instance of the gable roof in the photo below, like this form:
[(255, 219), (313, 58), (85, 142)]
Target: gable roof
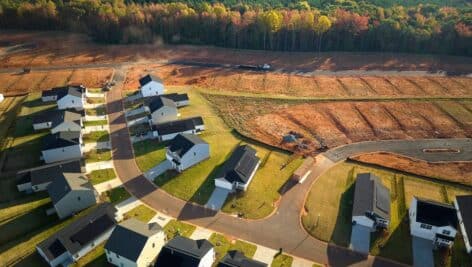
[(435, 213), (57, 117), (240, 165), (148, 78), (50, 172), (371, 196), (235, 258), (182, 143), (60, 92), (66, 183), (178, 126), (81, 232), (129, 238), (61, 139), (176, 97), (183, 252), (464, 204), (159, 102)]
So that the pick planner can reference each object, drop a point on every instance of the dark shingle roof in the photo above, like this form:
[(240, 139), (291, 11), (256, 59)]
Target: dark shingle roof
[(435, 213), (371, 196), (82, 231), (159, 102), (66, 183), (240, 165), (176, 97), (63, 91), (183, 252), (464, 204), (57, 117), (61, 139), (129, 238), (183, 143), (50, 172), (236, 258), (148, 78), (178, 126)]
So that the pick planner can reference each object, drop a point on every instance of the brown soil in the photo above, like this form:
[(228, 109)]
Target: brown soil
[(460, 172), (91, 77)]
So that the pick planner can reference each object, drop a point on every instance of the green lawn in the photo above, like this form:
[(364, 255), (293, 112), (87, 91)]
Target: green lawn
[(100, 176), (24, 152), (222, 245), (32, 106), (98, 136), (174, 227), (96, 111), (97, 155), (148, 154), (328, 212), (141, 212), (95, 258), (118, 194), (95, 100), (95, 90), (95, 123), (282, 260)]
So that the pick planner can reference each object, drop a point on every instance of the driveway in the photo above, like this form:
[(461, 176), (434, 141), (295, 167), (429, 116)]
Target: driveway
[(217, 199), (422, 252), (360, 239), (158, 170)]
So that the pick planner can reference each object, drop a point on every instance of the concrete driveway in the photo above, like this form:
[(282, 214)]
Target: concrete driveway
[(217, 199), (422, 252), (360, 239)]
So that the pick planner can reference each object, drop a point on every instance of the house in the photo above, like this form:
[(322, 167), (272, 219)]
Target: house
[(162, 110), (463, 205), (58, 121), (235, 258), (71, 193), (62, 146), (300, 174), (168, 130), (371, 207), (181, 100), (37, 179), (238, 171), (183, 252), (67, 97), (78, 238), (433, 221), (134, 243), (151, 85), (186, 150)]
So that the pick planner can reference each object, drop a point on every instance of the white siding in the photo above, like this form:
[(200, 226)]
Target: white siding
[(66, 127), (208, 259), (196, 154), (40, 187), (164, 114), (41, 126), (120, 261), (89, 247), (70, 101), (24, 187), (466, 238), (222, 183), (152, 88), (364, 221), (49, 98), (59, 154), (246, 185)]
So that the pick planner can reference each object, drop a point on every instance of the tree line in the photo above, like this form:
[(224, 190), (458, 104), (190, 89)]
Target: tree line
[(340, 25)]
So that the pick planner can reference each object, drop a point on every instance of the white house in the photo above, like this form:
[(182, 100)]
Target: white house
[(151, 85), (239, 170), (463, 206), (168, 130), (186, 150), (182, 251), (58, 121), (433, 221), (235, 258), (37, 179), (134, 243), (78, 238), (71, 193), (62, 146), (68, 97), (162, 110)]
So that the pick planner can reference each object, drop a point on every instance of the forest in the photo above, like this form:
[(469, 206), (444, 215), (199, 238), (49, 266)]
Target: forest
[(415, 26)]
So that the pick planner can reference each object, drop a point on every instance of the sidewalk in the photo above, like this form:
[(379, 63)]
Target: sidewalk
[(95, 128), (96, 145), (95, 117), (126, 205), (90, 167), (108, 185)]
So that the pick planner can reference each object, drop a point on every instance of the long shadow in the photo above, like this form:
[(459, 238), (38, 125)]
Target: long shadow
[(23, 156), (139, 186), (33, 259)]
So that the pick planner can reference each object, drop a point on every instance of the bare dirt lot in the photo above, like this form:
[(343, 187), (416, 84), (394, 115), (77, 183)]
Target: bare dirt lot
[(460, 172)]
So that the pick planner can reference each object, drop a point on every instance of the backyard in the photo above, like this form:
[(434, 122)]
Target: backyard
[(100, 176), (223, 244), (97, 155)]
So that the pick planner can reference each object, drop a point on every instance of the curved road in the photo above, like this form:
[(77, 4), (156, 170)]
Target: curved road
[(282, 229)]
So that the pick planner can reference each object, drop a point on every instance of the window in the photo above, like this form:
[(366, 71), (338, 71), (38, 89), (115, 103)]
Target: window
[(194, 153), (78, 198), (153, 245), (110, 260), (426, 226), (72, 101), (446, 232)]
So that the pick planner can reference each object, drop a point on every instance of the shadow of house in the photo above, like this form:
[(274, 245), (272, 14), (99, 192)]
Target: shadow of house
[(342, 229), (26, 155)]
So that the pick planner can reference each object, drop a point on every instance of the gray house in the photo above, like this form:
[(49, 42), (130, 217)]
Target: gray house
[(239, 170), (58, 121), (168, 130), (78, 238), (71, 193), (162, 110), (67, 97), (183, 252), (186, 150), (134, 243), (38, 179), (62, 146), (235, 258)]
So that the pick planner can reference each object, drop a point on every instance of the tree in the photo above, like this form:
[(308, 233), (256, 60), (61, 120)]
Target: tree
[(321, 25), (272, 21)]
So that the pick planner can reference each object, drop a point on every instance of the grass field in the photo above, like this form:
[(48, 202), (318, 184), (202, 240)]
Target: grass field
[(174, 227), (96, 111), (97, 155), (95, 123), (141, 212), (118, 194), (222, 245), (328, 212), (282, 260), (97, 136), (148, 153), (100, 176)]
